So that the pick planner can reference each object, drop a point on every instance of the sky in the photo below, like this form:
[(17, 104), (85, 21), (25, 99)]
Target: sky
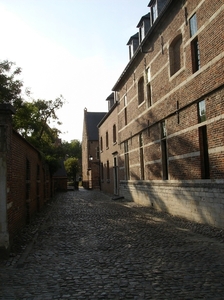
[(73, 48)]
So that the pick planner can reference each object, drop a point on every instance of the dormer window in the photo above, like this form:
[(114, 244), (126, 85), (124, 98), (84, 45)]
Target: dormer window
[(154, 12), (133, 44), (156, 6), (111, 101), (143, 26)]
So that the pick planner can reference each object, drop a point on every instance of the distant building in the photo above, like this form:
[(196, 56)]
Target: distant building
[(60, 178), (90, 150), (108, 135)]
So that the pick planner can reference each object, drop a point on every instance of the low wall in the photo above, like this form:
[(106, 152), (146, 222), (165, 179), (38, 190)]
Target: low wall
[(201, 201)]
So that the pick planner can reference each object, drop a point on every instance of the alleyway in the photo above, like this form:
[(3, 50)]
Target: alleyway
[(87, 246)]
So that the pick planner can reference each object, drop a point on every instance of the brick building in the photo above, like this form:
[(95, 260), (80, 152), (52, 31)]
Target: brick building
[(108, 134), (90, 150), (25, 183), (170, 111)]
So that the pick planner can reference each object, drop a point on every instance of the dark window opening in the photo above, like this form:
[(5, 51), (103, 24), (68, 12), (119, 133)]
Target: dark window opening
[(195, 53), (142, 169), (149, 95), (203, 141), (107, 140), (108, 170), (126, 161), (125, 116), (164, 160), (141, 90), (114, 134), (175, 55), (101, 143)]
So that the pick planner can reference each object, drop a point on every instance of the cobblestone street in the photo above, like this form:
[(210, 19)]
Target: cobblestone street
[(84, 245)]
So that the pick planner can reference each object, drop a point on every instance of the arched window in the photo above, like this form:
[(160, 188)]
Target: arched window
[(175, 51), (141, 90)]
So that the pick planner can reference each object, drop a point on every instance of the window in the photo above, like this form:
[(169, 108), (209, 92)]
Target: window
[(114, 134), (108, 170), (142, 171), (97, 153), (125, 116), (154, 12), (125, 100), (175, 55), (101, 144), (195, 53), (148, 75), (201, 111), (203, 142), (164, 151), (178, 113), (149, 95), (141, 90), (164, 159), (163, 129), (126, 161), (193, 25), (107, 140)]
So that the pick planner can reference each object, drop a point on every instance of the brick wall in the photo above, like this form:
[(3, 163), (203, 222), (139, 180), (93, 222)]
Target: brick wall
[(28, 183), (179, 155), (25, 180), (108, 156)]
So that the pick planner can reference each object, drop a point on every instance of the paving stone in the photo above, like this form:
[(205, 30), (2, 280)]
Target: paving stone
[(84, 245)]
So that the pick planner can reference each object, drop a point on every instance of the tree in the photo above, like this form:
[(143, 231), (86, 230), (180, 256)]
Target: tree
[(32, 122), (10, 87), (72, 167), (73, 149), (32, 118)]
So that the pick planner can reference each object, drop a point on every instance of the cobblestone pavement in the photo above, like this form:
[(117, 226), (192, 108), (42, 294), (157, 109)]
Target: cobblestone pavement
[(84, 245)]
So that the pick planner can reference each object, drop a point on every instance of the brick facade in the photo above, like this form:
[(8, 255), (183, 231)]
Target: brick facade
[(90, 150), (171, 113), (108, 134), (25, 180)]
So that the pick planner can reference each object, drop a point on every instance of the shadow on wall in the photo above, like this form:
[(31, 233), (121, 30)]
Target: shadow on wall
[(185, 194)]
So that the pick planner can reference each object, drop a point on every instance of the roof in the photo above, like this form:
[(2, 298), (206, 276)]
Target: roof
[(92, 120), (61, 172), (146, 38), (133, 37), (110, 97), (145, 17)]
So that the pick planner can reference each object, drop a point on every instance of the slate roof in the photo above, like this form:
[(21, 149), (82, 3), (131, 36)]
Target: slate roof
[(92, 120), (61, 173)]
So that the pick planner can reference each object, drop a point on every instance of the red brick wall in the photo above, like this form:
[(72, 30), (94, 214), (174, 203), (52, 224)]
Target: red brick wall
[(108, 153), (184, 86), (175, 98), (22, 204)]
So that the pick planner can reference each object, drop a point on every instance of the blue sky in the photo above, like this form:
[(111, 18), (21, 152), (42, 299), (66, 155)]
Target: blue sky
[(76, 48)]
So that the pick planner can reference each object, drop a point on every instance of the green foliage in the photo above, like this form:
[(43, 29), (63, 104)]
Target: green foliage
[(10, 87), (72, 167), (53, 163), (73, 149), (32, 119)]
